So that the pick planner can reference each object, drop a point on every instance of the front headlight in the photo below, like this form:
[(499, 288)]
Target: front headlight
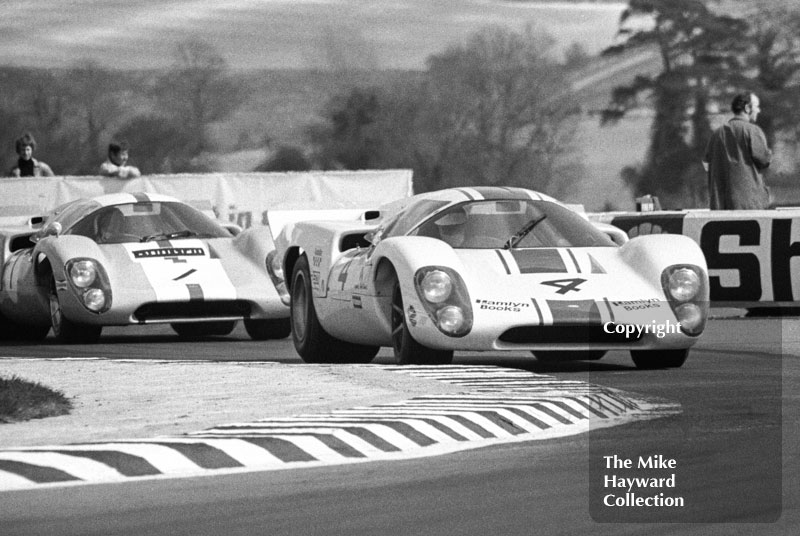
[(275, 264), (686, 290), (683, 284), (436, 286), (89, 281), (94, 299), (83, 273), (690, 316), (444, 296), (275, 271), (451, 319)]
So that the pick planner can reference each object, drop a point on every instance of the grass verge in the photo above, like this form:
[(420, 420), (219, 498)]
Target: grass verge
[(21, 400)]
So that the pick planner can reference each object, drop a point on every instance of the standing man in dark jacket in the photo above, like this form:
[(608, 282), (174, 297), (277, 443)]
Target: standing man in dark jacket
[(735, 156)]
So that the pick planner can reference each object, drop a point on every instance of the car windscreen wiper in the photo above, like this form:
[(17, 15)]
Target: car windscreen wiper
[(169, 236), (522, 233)]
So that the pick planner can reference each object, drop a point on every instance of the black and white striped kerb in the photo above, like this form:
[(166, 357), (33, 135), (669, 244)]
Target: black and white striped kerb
[(497, 405)]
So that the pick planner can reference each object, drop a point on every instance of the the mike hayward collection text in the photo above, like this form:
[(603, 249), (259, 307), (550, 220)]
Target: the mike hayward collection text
[(640, 490)]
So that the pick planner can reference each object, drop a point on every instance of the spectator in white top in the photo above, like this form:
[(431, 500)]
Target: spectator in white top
[(116, 165)]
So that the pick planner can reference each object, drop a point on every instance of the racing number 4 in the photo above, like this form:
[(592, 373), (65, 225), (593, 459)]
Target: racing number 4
[(565, 285)]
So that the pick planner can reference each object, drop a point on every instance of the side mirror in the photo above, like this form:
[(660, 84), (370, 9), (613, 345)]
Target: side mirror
[(232, 228), (51, 229), (617, 235), (373, 237)]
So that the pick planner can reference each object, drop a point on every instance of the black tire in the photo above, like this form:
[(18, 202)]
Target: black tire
[(312, 342), (556, 356), (262, 330), (199, 330), (28, 332), (64, 329), (12, 331), (7, 328), (656, 359), (407, 351)]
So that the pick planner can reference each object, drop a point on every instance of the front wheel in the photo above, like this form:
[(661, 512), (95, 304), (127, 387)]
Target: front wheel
[(656, 359), (262, 330), (310, 339), (407, 351), (64, 329)]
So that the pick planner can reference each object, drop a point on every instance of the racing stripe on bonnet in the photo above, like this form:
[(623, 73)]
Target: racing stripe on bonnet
[(583, 312), (509, 263), (574, 260), (570, 264), (539, 261), (538, 311), (471, 193), (610, 310), (533, 195), (141, 197), (498, 192), (195, 292), (503, 261)]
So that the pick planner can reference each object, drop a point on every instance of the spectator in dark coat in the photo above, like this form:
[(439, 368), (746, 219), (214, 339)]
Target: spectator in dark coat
[(735, 156), (27, 165)]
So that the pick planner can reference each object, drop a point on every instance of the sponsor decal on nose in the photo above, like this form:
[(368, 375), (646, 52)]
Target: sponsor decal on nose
[(508, 306)]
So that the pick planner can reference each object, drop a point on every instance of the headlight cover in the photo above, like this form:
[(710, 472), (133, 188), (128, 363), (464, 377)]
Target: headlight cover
[(445, 298), (94, 299), (683, 284), (90, 283), (275, 271), (686, 289), (451, 318), (436, 286), (83, 273)]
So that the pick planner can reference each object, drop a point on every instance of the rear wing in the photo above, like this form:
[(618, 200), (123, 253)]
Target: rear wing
[(277, 220)]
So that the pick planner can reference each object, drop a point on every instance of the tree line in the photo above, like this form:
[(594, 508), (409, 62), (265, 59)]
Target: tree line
[(491, 111), (495, 110), (74, 112), (707, 55)]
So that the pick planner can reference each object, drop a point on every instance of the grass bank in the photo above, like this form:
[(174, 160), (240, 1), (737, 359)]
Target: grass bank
[(21, 400)]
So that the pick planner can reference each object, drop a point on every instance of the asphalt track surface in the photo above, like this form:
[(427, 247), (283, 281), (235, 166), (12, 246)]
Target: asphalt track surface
[(735, 445)]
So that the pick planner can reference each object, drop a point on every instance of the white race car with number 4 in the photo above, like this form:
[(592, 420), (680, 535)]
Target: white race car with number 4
[(488, 268)]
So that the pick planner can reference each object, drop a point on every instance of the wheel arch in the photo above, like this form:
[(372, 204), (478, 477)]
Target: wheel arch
[(289, 261), (385, 275), (43, 270)]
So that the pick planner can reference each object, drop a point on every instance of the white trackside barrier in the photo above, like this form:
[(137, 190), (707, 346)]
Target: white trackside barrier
[(240, 198)]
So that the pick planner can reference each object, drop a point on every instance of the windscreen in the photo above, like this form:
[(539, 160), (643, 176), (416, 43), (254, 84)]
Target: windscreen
[(518, 223), (146, 221)]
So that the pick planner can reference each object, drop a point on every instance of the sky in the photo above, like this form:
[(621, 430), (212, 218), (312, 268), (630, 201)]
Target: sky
[(257, 34)]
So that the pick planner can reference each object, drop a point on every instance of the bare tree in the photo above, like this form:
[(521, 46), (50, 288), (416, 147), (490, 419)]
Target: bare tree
[(496, 111), (499, 111), (198, 90), (96, 107)]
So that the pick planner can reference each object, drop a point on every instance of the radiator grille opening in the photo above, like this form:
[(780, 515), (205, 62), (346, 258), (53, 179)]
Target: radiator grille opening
[(193, 309), (564, 334)]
